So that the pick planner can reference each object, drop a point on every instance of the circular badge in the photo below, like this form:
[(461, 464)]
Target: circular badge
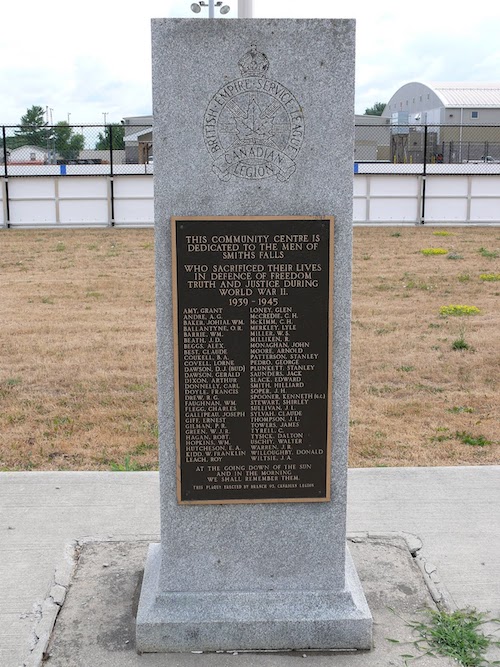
[(253, 126)]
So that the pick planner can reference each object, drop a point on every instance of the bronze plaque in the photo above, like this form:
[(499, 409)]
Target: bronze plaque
[(253, 336)]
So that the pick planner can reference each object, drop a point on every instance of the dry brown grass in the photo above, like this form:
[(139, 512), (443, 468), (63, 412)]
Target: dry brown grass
[(414, 398), (77, 349), (77, 369)]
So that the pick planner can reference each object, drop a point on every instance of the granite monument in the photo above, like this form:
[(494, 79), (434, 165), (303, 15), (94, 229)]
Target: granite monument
[(253, 154)]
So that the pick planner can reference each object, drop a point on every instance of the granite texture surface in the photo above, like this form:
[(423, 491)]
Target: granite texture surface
[(254, 620), (251, 548)]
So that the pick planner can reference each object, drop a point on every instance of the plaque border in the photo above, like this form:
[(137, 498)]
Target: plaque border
[(175, 325)]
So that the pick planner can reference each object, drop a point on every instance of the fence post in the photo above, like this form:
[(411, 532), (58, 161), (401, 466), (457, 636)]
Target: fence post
[(112, 185), (424, 176), (6, 206)]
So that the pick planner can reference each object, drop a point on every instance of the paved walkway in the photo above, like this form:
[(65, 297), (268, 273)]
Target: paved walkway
[(454, 511)]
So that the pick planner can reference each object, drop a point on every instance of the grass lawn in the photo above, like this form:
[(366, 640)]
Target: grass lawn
[(77, 348)]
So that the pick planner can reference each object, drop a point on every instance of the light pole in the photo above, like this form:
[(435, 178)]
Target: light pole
[(105, 113), (245, 9)]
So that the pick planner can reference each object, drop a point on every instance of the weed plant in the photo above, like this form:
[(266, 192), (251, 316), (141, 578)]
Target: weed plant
[(434, 251), (457, 635), (458, 310), (460, 343), (474, 441), (128, 466), (491, 254), (490, 277)]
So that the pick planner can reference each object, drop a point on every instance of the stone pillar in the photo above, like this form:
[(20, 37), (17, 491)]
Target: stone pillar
[(253, 118)]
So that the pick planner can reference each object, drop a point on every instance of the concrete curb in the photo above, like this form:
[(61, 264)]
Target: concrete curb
[(437, 589), (48, 611), (65, 569), (52, 604)]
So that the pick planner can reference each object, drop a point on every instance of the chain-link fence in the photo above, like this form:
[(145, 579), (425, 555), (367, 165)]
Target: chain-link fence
[(464, 148), (76, 150)]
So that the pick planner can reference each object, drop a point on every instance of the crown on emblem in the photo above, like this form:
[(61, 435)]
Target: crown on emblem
[(253, 63)]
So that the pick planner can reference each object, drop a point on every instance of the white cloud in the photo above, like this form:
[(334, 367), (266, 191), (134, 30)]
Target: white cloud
[(89, 58)]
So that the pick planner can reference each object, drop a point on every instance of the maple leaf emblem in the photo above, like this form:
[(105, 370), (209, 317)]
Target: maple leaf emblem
[(254, 123)]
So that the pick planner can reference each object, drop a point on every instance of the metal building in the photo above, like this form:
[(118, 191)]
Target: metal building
[(462, 119)]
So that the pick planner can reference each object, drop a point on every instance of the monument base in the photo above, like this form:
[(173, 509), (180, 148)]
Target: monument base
[(250, 620)]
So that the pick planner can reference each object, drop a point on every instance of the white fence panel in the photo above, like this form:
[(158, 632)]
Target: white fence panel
[(134, 213), (361, 198), (394, 210), (3, 204), (447, 198), (83, 188), (384, 198), (485, 186), (485, 210), (81, 201), (485, 199), (442, 209), (32, 201), (133, 198), (83, 213), (33, 212)]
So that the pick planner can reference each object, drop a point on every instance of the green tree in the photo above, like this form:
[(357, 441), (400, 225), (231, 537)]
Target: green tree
[(67, 144), (33, 129), (117, 132), (376, 109)]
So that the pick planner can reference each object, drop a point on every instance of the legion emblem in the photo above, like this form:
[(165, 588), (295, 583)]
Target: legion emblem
[(253, 126)]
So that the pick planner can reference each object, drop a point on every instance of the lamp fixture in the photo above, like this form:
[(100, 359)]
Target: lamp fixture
[(196, 7)]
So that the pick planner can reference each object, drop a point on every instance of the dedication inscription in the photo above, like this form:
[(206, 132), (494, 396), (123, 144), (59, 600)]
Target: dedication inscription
[(252, 319)]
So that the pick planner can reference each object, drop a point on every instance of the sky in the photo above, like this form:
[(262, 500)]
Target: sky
[(90, 62)]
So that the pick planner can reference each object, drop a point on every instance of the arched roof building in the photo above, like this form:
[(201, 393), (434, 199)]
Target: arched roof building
[(462, 122), (447, 103)]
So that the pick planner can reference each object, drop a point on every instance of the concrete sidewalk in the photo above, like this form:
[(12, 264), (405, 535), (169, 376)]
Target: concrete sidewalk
[(455, 512)]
